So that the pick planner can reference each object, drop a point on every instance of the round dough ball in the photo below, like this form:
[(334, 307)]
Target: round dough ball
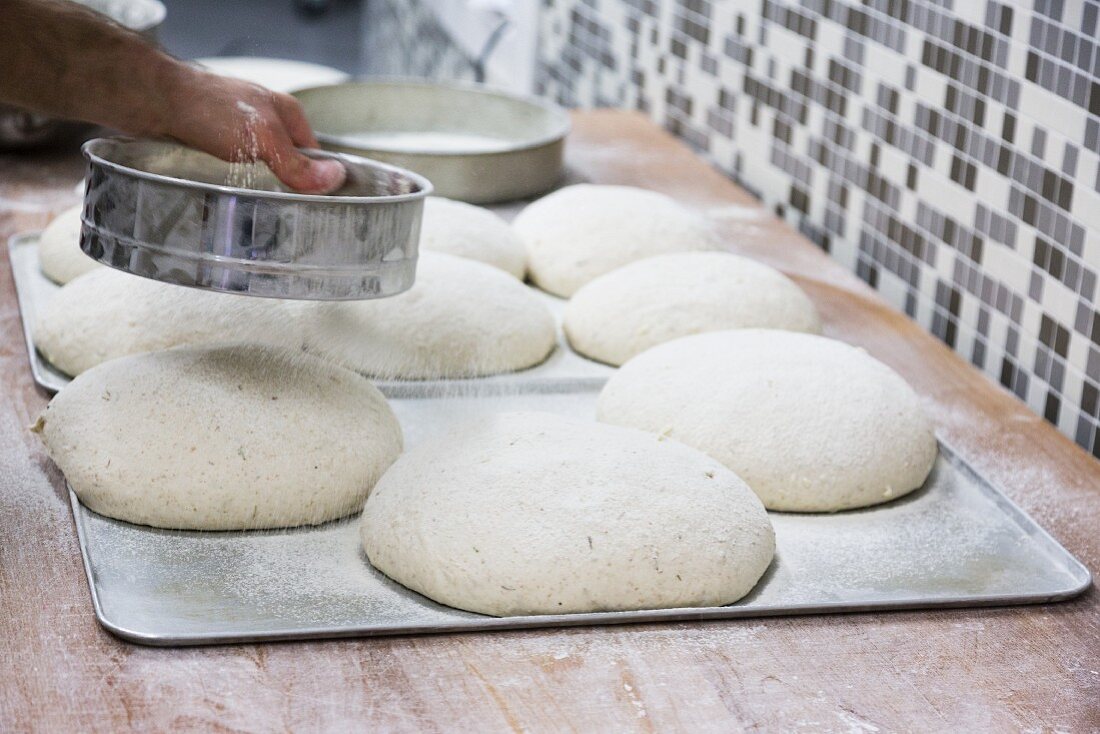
[(107, 313), (222, 438), (473, 232), (59, 255), (637, 306), (811, 424), (581, 232), (533, 513), (460, 319)]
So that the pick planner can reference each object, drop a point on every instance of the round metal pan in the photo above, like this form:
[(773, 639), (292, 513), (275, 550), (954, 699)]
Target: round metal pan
[(163, 211), (473, 143)]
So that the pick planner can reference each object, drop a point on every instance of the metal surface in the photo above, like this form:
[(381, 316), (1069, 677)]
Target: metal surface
[(21, 129), (956, 542), (564, 369), (33, 289), (474, 144), (163, 211)]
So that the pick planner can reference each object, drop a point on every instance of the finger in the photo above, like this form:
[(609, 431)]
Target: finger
[(290, 112), (296, 170)]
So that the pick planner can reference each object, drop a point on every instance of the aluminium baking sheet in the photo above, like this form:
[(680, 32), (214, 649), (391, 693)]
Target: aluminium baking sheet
[(956, 542), (564, 369), (33, 289)]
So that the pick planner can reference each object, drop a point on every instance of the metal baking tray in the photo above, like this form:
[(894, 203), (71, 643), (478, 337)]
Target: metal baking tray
[(33, 290), (957, 542), (564, 369)]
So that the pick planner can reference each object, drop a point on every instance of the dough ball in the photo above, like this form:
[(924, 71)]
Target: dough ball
[(811, 424), (460, 319), (533, 513), (637, 306), (106, 314), (59, 253), (222, 438), (581, 232), (472, 232)]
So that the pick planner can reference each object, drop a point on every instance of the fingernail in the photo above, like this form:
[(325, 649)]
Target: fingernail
[(329, 174)]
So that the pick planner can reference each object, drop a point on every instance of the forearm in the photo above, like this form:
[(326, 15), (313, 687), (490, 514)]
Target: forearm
[(61, 59)]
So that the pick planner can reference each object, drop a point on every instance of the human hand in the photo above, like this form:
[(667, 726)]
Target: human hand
[(62, 59), (239, 121)]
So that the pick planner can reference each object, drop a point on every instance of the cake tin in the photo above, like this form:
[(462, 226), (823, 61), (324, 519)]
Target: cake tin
[(474, 143), (164, 211)]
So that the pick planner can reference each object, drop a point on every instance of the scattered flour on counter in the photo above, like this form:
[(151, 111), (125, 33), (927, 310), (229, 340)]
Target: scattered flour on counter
[(28, 207), (28, 499)]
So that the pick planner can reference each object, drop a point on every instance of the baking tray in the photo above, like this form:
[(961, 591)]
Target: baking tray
[(956, 542), (564, 369), (33, 290)]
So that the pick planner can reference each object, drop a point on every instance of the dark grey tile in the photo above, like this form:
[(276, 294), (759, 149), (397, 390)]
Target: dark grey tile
[(818, 127)]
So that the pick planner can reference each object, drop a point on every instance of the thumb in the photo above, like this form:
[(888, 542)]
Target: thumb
[(299, 171), (308, 175)]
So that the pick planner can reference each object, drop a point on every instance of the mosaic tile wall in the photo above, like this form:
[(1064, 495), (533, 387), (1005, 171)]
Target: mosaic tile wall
[(945, 150)]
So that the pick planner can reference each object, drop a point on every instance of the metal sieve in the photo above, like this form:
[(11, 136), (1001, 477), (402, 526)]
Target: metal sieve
[(164, 211)]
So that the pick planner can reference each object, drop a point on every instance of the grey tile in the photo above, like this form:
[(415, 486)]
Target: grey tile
[(822, 129), (1035, 289)]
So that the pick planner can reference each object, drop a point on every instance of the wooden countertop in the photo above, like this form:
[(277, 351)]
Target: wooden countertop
[(1035, 668)]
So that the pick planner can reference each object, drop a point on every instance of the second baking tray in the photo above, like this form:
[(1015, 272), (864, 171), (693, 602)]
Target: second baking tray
[(956, 542), (564, 369)]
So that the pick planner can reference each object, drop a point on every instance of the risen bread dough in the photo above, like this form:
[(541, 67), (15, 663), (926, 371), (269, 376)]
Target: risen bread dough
[(59, 253), (107, 313), (460, 319), (532, 513), (629, 310), (580, 232), (473, 232), (811, 424), (223, 438)]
